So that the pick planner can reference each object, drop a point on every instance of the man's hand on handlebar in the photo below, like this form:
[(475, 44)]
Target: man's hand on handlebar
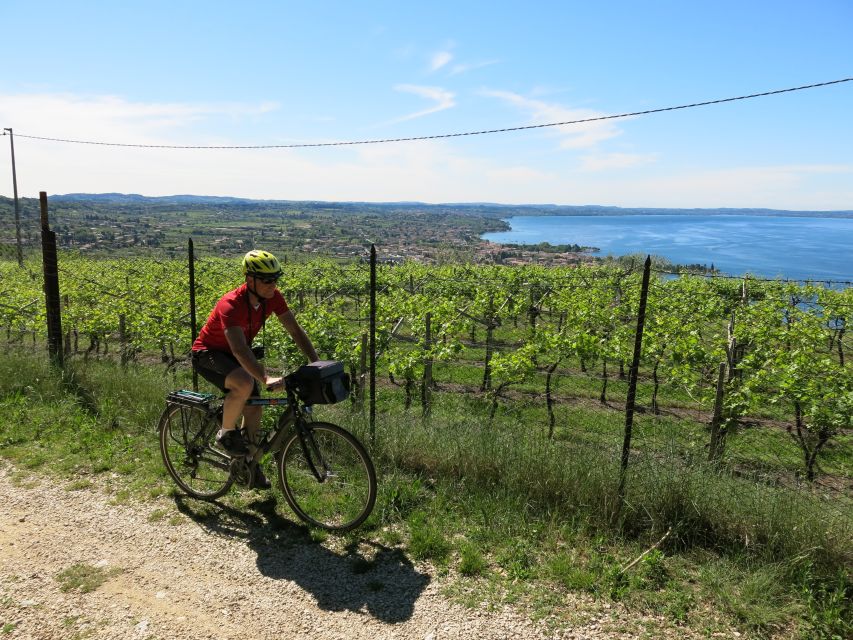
[(273, 383)]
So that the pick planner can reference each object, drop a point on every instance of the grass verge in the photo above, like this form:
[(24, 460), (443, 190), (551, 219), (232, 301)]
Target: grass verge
[(511, 516)]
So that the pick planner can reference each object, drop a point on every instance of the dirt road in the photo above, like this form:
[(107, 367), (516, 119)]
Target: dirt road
[(220, 574)]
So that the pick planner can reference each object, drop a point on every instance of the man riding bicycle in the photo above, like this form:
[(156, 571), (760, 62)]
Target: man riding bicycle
[(222, 353)]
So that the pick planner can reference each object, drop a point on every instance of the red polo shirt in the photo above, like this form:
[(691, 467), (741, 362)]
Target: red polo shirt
[(234, 310)]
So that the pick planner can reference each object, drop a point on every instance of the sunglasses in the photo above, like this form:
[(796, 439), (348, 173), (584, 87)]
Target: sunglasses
[(268, 280)]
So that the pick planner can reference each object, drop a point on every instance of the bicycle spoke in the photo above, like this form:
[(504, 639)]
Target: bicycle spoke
[(215, 459), (328, 479), (187, 437), (326, 474)]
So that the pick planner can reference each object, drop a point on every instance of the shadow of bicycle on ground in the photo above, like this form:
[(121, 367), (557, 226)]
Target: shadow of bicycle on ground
[(365, 576)]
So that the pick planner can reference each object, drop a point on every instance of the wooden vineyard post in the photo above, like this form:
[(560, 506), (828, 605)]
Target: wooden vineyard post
[(122, 339), (490, 330), (51, 285), (715, 448), (426, 384), (362, 371)]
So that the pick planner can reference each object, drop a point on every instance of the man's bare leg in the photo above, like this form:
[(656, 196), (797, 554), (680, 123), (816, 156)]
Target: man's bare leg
[(240, 385), (252, 423)]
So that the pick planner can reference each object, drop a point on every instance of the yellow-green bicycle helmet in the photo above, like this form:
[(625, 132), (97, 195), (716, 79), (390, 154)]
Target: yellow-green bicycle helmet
[(262, 264)]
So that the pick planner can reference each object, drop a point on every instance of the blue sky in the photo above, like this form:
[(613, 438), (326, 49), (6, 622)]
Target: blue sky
[(260, 73)]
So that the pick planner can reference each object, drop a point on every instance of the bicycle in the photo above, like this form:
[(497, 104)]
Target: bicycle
[(325, 473)]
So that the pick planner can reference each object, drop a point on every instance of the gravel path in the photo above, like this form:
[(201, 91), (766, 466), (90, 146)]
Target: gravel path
[(228, 574)]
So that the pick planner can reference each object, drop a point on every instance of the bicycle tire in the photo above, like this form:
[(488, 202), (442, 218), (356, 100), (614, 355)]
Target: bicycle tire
[(347, 493), (197, 464)]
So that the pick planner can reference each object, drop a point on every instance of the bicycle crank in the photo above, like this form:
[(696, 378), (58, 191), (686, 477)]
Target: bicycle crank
[(243, 471)]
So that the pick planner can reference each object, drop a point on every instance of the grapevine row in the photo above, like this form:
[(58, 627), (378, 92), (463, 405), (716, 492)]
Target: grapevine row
[(771, 345)]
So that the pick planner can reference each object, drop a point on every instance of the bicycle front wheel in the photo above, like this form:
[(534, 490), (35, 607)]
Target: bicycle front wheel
[(327, 477), (192, 457)]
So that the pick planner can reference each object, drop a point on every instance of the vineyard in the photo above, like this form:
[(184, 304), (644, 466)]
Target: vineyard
[(751, 375)]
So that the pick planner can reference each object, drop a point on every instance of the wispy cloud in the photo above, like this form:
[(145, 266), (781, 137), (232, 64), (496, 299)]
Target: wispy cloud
[(432, 171), (440, 59), (470, 66), (780, 186), (442, 98), (113, 118), (574, 136), (608, 161)]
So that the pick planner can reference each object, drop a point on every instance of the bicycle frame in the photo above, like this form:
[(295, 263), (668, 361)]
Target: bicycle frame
[(287, 418), (296, 417), (272, 440), (325, 473)]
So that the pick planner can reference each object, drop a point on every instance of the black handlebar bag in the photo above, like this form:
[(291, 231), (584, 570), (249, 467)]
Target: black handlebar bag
[(321, 382)]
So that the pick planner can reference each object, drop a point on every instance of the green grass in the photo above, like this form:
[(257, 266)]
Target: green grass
[(472, 561), (84, 577), (527, 500), (516, 517), (427, 539)]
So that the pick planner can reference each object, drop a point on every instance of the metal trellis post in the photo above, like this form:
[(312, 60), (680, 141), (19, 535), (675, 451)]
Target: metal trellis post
[(191, 258), (372, 343), (632, 382)]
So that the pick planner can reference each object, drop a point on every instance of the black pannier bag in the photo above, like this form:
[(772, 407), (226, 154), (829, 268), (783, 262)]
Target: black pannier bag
[(321, 382)]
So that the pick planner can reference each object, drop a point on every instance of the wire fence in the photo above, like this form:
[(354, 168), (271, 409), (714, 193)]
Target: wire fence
[(550, 348)]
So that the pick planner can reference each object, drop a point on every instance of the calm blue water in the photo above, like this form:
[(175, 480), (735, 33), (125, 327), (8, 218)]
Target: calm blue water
[(767, 246)]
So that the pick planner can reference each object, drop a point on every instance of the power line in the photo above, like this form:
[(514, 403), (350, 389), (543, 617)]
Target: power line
[(438, 136)]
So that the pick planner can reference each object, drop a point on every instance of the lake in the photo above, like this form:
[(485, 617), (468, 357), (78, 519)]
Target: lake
[(796, 248)]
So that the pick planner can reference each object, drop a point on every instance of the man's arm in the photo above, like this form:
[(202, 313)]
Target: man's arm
[(240, 349), (288, 320)]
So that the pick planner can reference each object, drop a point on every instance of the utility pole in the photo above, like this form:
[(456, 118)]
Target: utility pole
[(15, 193)]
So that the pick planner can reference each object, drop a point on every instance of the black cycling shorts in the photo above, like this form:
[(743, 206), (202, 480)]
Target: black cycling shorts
[(214, 366)]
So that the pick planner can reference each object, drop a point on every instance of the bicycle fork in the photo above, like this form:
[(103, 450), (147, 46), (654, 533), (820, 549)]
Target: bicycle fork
[(313, 455)]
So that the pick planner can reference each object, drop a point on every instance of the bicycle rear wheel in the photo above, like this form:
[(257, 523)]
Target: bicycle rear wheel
[(327, 477), (192, 457)]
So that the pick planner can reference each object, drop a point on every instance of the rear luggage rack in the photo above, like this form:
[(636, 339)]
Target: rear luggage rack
[(190, 398)]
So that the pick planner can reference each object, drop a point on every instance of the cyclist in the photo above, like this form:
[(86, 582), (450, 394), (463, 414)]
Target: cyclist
[(222, 353)]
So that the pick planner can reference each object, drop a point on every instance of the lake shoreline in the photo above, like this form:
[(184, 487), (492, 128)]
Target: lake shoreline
[(797, 247), (583, 212)]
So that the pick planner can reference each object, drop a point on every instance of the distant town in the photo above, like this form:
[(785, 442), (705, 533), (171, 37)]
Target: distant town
[(114, 224), (128, 225)]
